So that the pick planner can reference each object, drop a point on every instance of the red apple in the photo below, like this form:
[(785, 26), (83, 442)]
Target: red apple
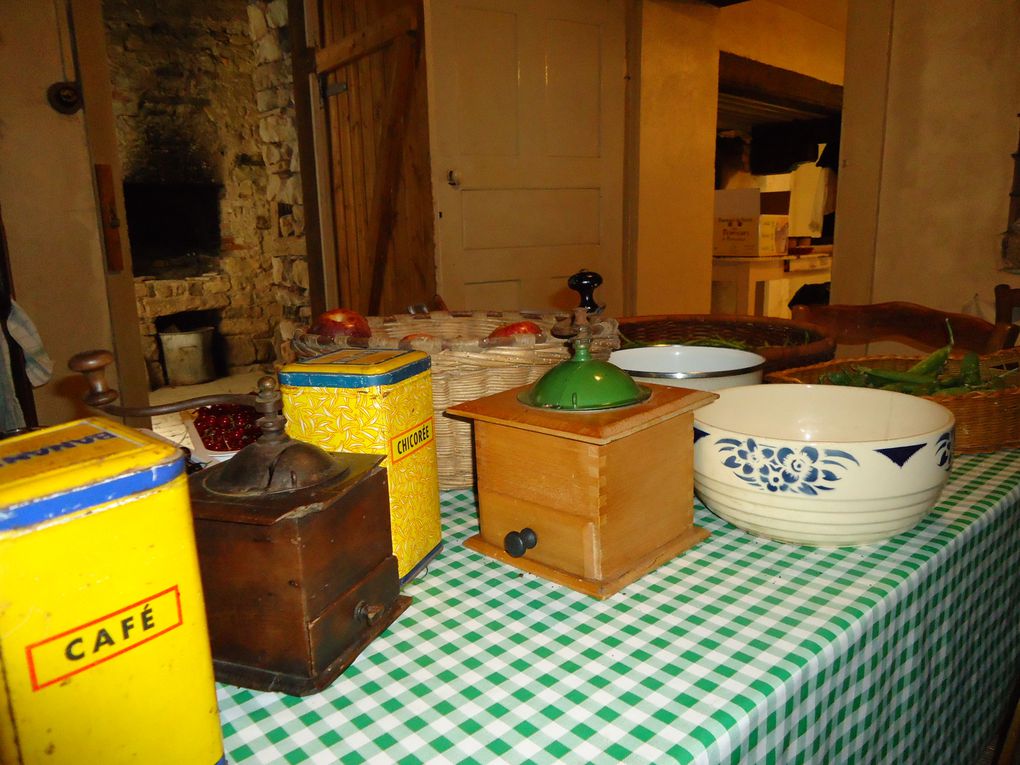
[(407, 342), (517, 328), (342, 322)]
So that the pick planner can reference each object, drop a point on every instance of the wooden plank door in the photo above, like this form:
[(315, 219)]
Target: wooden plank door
[(527, 115), (373, 155)]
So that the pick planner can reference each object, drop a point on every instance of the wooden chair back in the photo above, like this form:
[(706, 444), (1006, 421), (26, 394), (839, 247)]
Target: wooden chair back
[(915, 325), (1007, 299)]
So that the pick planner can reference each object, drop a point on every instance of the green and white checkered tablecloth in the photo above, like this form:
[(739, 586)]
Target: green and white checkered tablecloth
[(741, 650)]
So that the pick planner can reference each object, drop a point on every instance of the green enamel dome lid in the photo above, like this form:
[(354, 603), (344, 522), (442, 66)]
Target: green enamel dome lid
[(582, 383)]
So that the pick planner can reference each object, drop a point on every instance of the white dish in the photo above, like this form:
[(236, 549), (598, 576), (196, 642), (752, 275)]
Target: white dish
[(199, 453), (821, 465), (691, 366)]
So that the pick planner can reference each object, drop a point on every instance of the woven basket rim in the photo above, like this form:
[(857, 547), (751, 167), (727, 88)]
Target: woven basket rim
[(722, 317), (471, 338), (811, 332)]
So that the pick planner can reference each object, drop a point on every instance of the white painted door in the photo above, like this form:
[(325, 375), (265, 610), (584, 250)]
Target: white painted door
[(526, 104)]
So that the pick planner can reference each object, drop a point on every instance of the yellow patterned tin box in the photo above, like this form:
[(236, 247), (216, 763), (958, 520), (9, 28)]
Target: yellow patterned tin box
[(103, 641), (376, 401)]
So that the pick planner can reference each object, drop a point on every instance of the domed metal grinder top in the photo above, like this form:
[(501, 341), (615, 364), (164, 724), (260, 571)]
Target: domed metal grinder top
[(582, 383)]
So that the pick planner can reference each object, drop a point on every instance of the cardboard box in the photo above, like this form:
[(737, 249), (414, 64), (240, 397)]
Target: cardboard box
[(743, 230)]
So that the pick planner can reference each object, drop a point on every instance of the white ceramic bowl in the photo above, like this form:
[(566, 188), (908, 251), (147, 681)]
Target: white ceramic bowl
[(690, 366), (821, 465)]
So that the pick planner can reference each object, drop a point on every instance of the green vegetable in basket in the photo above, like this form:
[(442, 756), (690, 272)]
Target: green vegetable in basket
[(839, 377), (852, 375), (970, 369), (949, 381), (899, 387), (953, 391), (927, 377), (883, 376), (933, 363)]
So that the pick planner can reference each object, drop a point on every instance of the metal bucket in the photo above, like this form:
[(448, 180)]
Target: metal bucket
[(187, 356)]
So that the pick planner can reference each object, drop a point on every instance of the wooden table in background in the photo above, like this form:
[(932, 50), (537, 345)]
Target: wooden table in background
[(747, 273)]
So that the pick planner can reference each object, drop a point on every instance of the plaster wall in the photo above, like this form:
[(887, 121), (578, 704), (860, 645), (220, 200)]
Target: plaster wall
[(679, 90), (799, 35), (944, 122), (679, 85), (49, 213)]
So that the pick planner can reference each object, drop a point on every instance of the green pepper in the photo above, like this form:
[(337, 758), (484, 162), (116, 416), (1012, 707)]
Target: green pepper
[(970, 368), (894, 375), (839, 377), (949, 381), (952, 391), (898, 387), (998, 382), (932, 364)]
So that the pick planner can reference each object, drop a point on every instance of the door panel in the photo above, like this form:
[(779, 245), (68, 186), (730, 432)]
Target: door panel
[(572, 98), (526, 109), (487, 93), (520, 217)]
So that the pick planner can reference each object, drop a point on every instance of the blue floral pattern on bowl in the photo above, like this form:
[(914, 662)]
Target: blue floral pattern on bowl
[(804, 470), (944, 449)]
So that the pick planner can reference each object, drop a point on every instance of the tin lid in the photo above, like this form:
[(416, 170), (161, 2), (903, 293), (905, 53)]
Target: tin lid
[(77, 465), (355, 368)]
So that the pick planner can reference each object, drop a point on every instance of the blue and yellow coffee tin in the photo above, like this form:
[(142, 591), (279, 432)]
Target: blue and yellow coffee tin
[(376, 401), (103, 641)]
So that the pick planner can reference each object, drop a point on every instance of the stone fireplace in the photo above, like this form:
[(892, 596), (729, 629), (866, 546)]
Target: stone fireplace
[(175, 227), (203, 101)]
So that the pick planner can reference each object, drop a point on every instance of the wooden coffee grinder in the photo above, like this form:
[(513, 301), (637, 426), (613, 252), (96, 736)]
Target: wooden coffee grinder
[(294, 547), (586, 478)]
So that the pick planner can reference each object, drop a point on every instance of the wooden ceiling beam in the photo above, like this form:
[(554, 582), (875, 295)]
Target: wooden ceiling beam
[(752, 79)]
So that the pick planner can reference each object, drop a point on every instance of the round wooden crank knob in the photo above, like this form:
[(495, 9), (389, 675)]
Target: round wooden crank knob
[(516, 543), (93, 365)]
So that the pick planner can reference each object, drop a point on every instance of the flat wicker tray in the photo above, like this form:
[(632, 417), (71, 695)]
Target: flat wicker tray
[(782, 342), (466, 366), (986, 421)]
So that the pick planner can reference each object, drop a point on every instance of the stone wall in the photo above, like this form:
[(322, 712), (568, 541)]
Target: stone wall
[(274, 95), (203, 93)]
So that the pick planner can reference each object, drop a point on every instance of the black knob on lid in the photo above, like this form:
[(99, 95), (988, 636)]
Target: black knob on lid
[(584, 283)]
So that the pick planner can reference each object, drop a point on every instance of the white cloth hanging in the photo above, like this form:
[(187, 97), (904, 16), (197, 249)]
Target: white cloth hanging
[(809, 185), (11, 416), (38, 364)]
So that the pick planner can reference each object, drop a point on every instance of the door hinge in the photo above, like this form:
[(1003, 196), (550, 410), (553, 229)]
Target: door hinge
[(327, 89)]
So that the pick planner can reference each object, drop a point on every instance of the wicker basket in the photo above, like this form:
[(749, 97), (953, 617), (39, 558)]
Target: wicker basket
[(466, 366), (783, 343), (986, 421)]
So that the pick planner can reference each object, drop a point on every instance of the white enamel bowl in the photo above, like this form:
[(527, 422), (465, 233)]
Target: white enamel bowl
[(821, 465), (690, 366)]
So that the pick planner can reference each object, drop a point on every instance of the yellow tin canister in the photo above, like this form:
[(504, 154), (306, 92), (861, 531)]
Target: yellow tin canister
[(376, 402), (103, 643)]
